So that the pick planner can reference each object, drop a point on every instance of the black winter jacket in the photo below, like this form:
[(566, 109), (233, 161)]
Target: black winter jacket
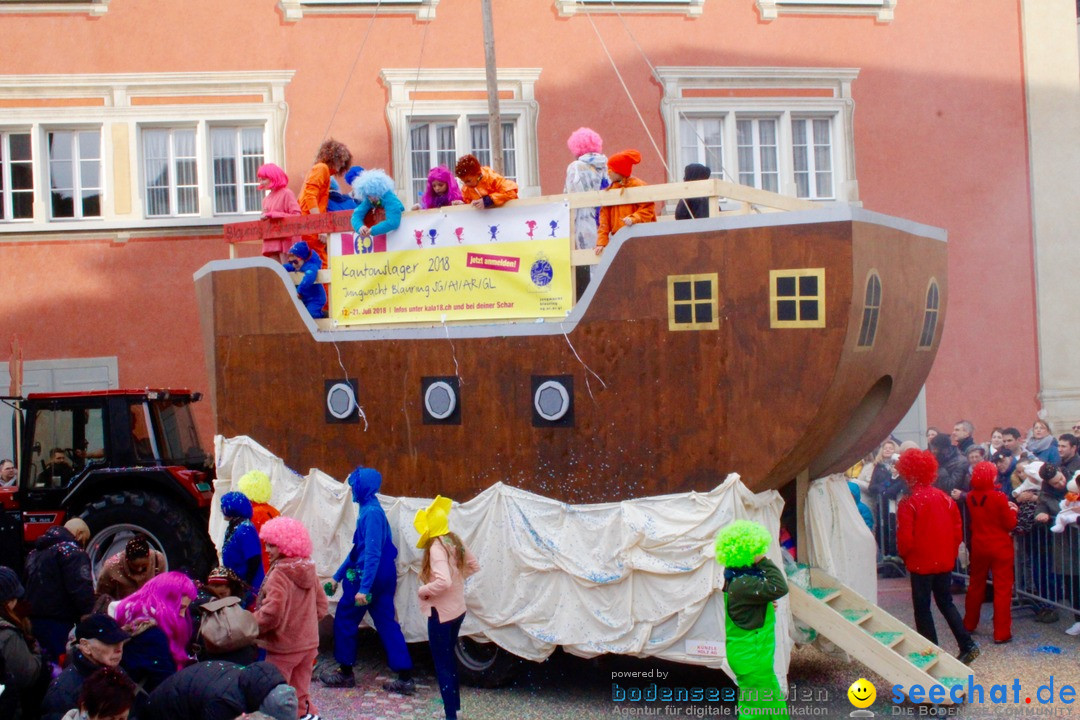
[(952, 471), (213, 690), (63, 694), (59, 585)]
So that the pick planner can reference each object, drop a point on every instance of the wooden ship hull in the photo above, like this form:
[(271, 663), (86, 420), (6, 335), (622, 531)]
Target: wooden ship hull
[(654, 408)]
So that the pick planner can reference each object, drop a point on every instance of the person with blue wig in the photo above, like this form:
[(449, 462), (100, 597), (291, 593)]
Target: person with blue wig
[(241, 550), (752, 584), (378, 209), (368, 580)]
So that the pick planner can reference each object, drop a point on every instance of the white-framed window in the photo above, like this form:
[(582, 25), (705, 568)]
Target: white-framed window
[(75, 176), (881, 10), (25, 7), (170, 172), (786, 130), (293, 10), (16, 176), (428, 131), (133, 153), (236, 154), (690, 8), (811, 152)]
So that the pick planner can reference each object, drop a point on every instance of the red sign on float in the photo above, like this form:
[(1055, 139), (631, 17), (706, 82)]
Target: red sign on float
[(493, 262)]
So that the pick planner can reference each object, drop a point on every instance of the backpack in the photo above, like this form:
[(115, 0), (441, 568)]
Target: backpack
[(227, 626)]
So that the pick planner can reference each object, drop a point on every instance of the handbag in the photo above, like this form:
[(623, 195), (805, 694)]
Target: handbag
[(226, 626)]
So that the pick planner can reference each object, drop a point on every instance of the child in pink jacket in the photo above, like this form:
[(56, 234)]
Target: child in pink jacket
[(447, 562), (278, 204), (290, 605)]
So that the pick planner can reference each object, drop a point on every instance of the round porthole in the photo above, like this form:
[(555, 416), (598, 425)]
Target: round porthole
[(341, 400), (551, 400), (440, 400)]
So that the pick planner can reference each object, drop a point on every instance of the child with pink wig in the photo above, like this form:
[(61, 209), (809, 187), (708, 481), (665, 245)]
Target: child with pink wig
[(279, 203), (290, 605), (442, 190), (156, 615), (585, 174)]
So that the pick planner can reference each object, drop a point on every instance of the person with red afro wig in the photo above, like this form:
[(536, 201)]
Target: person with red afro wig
[(482, 187), (290, 605), (928, 536), (993, 518)]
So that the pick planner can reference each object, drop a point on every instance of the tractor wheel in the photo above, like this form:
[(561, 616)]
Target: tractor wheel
[(180, 535), (485, 665)]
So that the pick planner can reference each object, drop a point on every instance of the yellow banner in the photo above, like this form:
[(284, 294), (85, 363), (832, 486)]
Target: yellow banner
[(458, 282)]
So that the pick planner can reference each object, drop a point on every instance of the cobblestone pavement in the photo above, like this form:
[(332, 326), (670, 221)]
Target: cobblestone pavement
[(570, 687)]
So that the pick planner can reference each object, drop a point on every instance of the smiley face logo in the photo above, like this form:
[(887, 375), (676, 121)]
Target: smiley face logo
[(862, 693)]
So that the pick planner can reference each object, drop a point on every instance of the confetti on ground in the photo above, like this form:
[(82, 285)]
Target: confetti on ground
[(1049, 649)]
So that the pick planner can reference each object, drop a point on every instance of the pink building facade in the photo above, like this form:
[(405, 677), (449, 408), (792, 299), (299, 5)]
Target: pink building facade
[(130, 131)]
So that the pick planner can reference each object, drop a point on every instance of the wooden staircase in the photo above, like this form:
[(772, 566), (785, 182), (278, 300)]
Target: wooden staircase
[(875, 638)]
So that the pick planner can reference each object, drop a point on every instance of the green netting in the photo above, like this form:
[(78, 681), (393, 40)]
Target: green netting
[(820, 593), (854, 615), (886, 636), (919, 660)]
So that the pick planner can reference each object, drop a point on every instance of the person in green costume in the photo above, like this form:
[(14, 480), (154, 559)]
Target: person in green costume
[(751, 585)]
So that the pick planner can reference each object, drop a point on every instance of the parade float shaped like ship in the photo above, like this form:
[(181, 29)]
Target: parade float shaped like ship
[(778, 345)]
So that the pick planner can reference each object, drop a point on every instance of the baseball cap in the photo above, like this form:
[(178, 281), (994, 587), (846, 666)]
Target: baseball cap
[(100, 626)]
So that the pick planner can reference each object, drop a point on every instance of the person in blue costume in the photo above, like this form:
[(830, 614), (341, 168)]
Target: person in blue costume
[(752, 585), (241, 551), (368, 579), (863, 508), (301, 259), (373, 191), (339, 200)]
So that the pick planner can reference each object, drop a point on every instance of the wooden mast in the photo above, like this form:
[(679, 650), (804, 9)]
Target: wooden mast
[(494, 119)]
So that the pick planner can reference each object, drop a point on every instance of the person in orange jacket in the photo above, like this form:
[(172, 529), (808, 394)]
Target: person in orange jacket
[(255, 484), (333, 158), (614, 218), (483, 187), (993, 518)]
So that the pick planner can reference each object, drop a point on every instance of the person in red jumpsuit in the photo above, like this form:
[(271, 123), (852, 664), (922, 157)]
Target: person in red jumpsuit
[(993, 518)]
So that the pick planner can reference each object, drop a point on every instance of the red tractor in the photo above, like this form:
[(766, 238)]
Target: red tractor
[(125, 461)]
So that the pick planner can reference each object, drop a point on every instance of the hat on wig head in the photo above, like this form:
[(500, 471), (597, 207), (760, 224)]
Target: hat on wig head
[(738, 544), (583, 141), (917, 467), (623, 162), (433, 521), (274, 175), (289, 534), (353, 173), (372, 183), (983, 476), (467, 166), (256, 485), (236, 504), (301, 250)]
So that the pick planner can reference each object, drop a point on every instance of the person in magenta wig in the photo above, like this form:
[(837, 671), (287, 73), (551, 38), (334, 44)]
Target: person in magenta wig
[(279, 203), (442, 190), (290, 605), (157, 617)]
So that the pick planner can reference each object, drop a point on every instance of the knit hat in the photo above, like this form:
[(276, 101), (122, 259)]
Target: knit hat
[(583, 141), (10, 587), (280, 703), (467, 166), (740, 542), (300, 250), (917, 467), (623, 162), (256, 485), (100, 626), (433, 521), (289, 534), (983, 476), (236, 504)]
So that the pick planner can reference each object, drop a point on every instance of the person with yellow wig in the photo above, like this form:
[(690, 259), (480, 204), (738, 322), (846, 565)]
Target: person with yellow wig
[(447, 562), (255, 484)]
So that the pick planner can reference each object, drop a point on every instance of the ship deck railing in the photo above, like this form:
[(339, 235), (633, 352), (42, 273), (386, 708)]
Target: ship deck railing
[(742, 200)]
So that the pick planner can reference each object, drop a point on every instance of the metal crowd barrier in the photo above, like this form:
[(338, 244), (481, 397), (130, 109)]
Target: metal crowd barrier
[(1046, 564)]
